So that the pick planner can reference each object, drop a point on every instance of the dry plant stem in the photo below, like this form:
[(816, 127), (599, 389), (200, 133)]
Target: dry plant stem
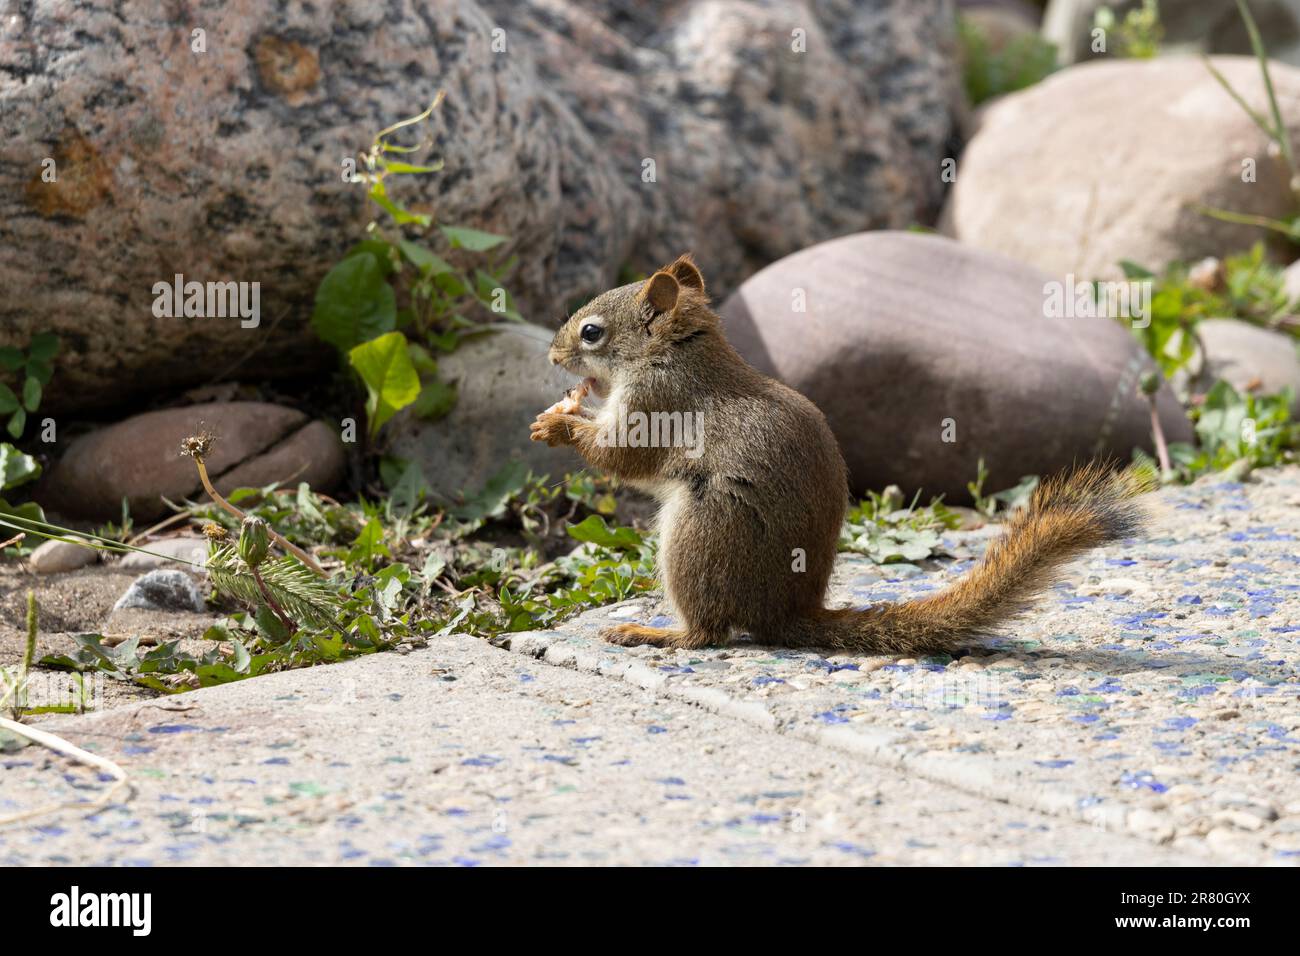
[(1158, 433), (165, 523), (16, 539), (59, 745), (293, 549)]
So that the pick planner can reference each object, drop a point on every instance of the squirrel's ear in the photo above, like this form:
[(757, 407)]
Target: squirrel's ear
[(661, 291), (687, 273)]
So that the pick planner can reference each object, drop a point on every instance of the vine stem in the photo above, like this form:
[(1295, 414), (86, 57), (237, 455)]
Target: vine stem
[(293, 549)]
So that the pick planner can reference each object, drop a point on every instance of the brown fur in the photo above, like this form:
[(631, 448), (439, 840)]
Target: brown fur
[(750, 527)]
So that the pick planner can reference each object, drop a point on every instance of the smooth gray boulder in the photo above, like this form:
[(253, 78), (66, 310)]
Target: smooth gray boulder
[(1249, 358), (503, 380), (926, 355)]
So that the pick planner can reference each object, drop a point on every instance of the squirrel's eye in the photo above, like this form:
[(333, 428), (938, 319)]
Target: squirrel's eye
[(591, 333)]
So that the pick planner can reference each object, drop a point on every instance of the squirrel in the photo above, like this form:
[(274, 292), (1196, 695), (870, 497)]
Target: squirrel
[(769, 486)]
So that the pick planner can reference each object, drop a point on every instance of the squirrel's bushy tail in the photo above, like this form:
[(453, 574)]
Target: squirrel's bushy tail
[(1065, 516)]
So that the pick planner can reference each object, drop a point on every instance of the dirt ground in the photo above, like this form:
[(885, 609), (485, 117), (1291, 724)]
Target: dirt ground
[(81, 602)]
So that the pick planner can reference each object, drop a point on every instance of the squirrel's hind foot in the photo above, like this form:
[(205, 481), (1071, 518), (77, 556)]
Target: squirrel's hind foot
[(632, 635)]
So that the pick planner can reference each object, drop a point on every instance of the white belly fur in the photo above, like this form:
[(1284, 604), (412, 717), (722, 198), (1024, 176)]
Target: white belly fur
[(671, 495)]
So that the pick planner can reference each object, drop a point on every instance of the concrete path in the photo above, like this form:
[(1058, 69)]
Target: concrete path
[(1148, 712), (1155, 692), (465, 754)]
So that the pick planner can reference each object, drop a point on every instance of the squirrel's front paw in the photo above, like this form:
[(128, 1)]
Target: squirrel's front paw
[(553, 428)]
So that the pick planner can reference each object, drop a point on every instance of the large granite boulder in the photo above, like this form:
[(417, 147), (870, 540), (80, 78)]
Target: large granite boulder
[(140, 459), (210, 143), (926, 355), (1108, 161)]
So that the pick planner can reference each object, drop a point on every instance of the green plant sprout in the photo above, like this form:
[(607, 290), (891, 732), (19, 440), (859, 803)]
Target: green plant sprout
[(393, 302), (35, 372), (1139, 33), (1273, 127)]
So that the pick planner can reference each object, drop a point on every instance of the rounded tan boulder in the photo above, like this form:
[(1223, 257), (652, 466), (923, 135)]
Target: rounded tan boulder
[(140, 458), (1109, 161)]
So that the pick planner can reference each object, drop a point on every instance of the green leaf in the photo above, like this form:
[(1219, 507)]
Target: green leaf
[(474, 240), (11, 359), (407, 168), (41, 371), (17, 421), (594, 529), (401, 215), (404, 494), (391, 380), (31, 393), (353, 303), (381, 250), (8, 400), (491, 500), (436, 399), (489, 290), (368, 545), (424, 363), (43, 347), (423, 259), (1134, 271), (16, 468)]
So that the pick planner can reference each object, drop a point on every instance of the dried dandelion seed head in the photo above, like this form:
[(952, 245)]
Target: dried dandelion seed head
[(215, 532), (198, 446)]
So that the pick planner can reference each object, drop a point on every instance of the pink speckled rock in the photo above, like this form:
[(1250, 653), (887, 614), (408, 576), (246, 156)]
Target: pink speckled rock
[(226, 165)]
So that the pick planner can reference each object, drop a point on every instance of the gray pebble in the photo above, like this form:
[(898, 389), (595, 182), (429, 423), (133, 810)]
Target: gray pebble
[(163, 590)]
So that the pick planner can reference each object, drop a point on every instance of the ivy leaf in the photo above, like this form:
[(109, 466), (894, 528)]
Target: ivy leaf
[(401, 215), (475, 240), (381, 250), (423, 259), (436, 399), (31, 393), (43, 347), (354, 303), (16, 467), (391, 380), (408, 168), (40, 370), (491, 293), (491, 500), (424, 363), (594, 529), (368, 545)]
